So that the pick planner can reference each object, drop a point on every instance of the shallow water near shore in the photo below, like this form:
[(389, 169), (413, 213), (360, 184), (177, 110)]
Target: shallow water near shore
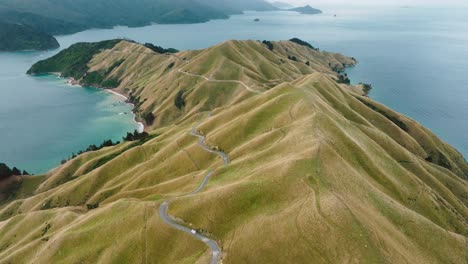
[(43, 120), (416, 58)]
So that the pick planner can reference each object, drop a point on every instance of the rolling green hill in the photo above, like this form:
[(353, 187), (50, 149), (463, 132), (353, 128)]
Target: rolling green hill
[(318, 172), (20, 37)]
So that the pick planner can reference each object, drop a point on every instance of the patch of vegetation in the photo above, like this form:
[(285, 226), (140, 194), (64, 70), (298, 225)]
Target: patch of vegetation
[(179, 100), (439, 159), (110, 83), (293, 58), (171, 65), (6, 172), (115, 65), (110, 157), (303, 43), (343, 78), (366, 88), (93, 147), (135, 136), (392, 118), (73, 62), (159, 49), (92, 206), (269, 44), (149, 118), (46, 229)]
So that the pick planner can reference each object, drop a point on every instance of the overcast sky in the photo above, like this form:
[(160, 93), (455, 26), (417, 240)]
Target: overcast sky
[(374, 2)]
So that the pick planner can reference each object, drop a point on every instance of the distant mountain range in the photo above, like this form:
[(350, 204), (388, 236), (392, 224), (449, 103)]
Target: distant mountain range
[(21, 37), (70, 16)]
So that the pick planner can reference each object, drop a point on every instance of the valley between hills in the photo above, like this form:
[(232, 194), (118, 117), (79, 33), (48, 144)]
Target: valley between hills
[(262, 148)]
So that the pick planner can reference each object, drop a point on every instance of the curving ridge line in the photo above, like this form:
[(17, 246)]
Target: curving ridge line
[(215, 249), (220, 81)]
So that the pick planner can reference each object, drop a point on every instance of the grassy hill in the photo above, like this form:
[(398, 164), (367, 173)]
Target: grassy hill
[(20, 37), (319, 173)]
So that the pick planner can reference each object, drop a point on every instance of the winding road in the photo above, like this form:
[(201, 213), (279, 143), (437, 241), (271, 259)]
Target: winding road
[(169, 220)]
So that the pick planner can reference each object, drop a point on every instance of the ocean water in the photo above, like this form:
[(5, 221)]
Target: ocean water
[(415, 57), (43, 119)]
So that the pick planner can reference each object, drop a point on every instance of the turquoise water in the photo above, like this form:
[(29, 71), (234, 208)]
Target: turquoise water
[(43, 119), (416, 59)]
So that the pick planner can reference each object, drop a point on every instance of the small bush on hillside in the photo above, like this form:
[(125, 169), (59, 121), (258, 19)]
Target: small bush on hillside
[(303, 43), (149, 118), (179, 101), (343, 78), (269, 44), (366, 88)]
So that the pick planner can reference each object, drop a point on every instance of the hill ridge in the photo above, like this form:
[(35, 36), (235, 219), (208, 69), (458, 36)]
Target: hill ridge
[(316, 169)]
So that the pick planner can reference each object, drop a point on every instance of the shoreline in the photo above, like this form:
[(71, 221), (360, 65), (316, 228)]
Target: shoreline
[(73, 82)]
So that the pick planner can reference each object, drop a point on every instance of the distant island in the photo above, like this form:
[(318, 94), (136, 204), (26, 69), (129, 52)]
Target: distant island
[(22, 37), (307, 10), (39, 19)]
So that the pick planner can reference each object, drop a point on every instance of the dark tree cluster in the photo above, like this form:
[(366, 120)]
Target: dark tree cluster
[(159, 49), (303, 43), (93, 147), (136, 101), (149, 118), (293, 58), (366, 88), (179, 100), (6, 172), (269, 44), (135, 136), (343, 78)]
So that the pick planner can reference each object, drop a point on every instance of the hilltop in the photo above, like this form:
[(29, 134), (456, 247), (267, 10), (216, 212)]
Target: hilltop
[(313, 169), (20, 37)]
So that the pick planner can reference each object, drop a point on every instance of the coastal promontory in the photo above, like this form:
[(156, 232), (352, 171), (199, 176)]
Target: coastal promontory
[(259, 151)]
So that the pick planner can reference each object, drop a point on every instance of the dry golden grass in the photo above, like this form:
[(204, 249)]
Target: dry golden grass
[(319, 174)]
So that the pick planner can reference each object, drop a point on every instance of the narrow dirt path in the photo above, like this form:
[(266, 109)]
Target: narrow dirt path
[(220, 81)]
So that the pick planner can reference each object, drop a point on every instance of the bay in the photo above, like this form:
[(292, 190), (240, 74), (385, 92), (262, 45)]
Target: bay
[(416, 58)]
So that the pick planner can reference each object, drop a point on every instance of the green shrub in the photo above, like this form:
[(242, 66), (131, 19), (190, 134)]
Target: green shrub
[(179, 101)]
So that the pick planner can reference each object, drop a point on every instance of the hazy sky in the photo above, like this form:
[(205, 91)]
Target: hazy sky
[(375, 2)]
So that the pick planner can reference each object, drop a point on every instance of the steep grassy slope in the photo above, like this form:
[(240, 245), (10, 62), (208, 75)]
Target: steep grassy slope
[(319, 173), (20, 37)]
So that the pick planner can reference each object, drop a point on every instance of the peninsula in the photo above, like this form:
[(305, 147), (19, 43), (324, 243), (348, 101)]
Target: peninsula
[(258, 151)]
